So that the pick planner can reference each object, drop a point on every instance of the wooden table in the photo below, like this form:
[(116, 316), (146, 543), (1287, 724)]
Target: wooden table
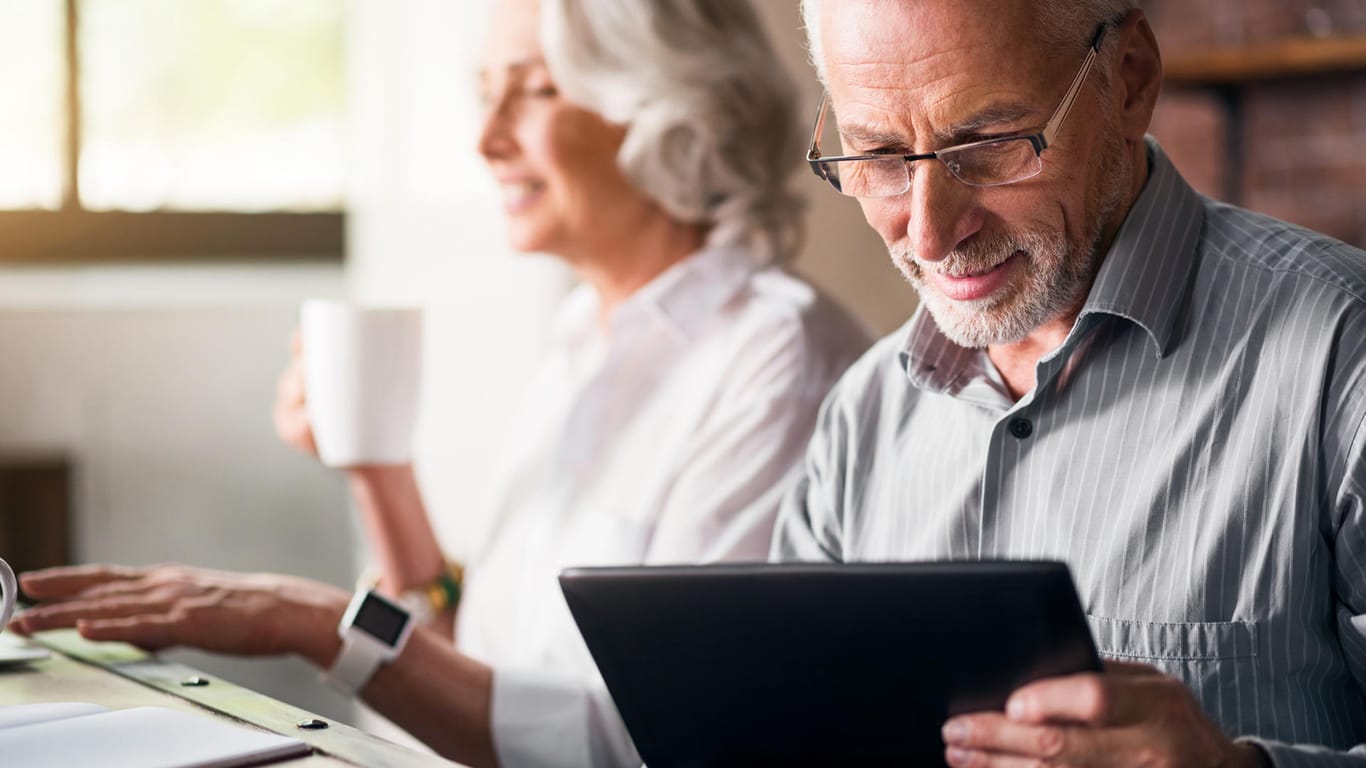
[(119, 676)]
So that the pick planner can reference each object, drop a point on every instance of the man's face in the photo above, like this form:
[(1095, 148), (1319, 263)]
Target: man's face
[(991, 264)]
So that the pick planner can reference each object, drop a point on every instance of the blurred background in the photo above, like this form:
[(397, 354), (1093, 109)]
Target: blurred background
[(175, 177)]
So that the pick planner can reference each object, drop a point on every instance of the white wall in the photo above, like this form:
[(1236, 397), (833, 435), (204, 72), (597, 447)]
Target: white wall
[(157, 384)]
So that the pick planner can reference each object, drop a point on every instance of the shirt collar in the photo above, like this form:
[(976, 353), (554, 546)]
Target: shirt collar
[(688, 294), (1145, 276), (1143, 279), (934, 363), (679, 300)]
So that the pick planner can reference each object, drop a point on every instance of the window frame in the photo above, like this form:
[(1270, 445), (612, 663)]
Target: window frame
[(73, 235)]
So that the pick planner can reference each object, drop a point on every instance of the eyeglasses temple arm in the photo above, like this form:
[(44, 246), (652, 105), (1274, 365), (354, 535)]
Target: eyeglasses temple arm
[(813, 152), (1051, 129)]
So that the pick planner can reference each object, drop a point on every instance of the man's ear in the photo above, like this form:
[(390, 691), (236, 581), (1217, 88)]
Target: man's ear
[(1138, 78)]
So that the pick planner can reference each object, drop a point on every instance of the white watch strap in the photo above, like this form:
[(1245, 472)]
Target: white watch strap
[(416, 604), (356, 664)]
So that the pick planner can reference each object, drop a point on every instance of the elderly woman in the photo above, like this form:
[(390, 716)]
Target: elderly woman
[(648, 145)]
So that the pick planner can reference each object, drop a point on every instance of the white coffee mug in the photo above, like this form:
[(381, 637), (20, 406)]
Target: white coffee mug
[(9, 594), (362, 379)]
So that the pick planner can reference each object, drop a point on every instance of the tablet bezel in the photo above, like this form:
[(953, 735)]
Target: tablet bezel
[(710, 664)]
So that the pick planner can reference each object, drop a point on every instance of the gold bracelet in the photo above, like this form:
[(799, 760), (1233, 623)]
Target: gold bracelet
[(429, 600), (444, 593)]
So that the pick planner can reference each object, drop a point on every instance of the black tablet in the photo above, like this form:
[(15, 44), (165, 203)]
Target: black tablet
[(797, 665)]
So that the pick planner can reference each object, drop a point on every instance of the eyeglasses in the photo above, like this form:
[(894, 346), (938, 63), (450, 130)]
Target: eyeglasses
[(987, 163)]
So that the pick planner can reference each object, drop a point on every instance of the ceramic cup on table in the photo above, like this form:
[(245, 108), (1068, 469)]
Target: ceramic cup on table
[(9, 594), (362, 370)]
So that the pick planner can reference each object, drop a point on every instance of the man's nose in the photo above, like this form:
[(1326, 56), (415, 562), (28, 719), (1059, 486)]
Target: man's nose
[(944, 212)]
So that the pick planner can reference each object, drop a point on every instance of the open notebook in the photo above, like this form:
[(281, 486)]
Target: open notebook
[(65, 735)]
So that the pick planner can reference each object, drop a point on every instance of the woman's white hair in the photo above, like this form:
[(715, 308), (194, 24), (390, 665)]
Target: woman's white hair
[(1061, 24), (712, 133)]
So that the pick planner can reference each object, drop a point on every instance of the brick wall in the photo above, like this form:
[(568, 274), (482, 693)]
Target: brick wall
[(1303, 151)]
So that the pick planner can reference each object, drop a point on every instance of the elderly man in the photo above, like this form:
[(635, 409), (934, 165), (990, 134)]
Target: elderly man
[(1108, 369)]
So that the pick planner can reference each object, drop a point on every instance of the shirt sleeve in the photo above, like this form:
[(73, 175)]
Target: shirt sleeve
[(549, 721), (1344, 452), (811, 523), (1349, 535), (805, 531), (1306, 756)]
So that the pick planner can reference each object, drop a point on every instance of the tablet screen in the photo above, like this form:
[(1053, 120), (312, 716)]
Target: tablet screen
[(821, 664)]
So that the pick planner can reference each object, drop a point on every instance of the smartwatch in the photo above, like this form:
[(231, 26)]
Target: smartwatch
[(428, 602), (373, 631)]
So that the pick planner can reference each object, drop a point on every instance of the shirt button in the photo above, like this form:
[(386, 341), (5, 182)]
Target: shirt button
[(1021, 428)]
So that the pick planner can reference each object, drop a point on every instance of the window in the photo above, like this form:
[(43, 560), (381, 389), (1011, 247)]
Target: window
[(166, 129)]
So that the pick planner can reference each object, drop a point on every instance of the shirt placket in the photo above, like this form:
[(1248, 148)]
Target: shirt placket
[(1013, 434)]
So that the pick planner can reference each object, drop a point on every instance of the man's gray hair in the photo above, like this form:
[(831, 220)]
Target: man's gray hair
[(712, 130), (1062, 24)]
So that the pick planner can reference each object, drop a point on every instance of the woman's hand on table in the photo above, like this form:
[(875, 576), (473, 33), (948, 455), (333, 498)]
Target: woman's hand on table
[(173, 605)]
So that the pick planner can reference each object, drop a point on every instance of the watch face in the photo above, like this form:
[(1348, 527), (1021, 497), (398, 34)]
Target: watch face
[(380, 618)]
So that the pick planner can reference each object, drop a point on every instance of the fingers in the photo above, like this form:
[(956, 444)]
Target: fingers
[(64, 615), (1131, 714), (148, 632), (966, 758), (149, 580), (995, 733), (290, 396), (172, 605), (1089, 698), (289, 390), (992, 739), (58, 583), (294, 428), (291, 400)]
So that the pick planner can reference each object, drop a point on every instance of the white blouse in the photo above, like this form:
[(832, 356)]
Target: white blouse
[(667, 439)]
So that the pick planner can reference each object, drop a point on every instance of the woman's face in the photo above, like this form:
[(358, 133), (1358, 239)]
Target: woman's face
[(554, 162)]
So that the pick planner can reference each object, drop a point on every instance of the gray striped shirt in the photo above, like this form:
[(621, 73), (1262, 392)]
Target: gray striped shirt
[(1193, 450)]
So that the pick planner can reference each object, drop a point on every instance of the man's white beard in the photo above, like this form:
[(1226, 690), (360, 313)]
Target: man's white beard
[(1052, 279), (1044, 285)]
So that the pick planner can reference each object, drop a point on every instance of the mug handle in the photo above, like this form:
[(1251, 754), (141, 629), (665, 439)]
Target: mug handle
[(9, 594)]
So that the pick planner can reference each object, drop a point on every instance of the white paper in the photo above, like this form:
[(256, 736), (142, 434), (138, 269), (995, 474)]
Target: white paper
[(143, 737), (24, 714)]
